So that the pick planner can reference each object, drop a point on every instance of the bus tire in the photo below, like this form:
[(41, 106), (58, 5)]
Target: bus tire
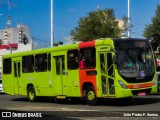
[(91, 96), (31, 94)]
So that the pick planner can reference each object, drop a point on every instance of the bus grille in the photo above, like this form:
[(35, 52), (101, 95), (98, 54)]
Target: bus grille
[(135, 92), (135, 80)]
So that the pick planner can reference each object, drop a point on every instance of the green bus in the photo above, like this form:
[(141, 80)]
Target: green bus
[(103, 68)]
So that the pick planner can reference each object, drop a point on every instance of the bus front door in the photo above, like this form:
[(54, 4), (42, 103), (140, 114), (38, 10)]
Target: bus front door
[(17, 75), (107, 73), (60, 67)]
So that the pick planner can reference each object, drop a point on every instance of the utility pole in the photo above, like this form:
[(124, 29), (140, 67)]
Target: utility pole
[(9, 16), (52, 32), (128, 18)]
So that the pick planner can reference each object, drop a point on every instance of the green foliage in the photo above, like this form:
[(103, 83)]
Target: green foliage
[(98, 24), (152, 31)]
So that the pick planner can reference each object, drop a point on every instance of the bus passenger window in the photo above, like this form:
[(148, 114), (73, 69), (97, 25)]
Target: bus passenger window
[(41, 62), (49, 61), (7, 66), (82, 63), (72, 59), (28, 64), (89, 54)]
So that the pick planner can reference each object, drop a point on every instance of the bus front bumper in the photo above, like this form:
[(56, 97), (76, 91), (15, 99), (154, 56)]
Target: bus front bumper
[(121, 93)]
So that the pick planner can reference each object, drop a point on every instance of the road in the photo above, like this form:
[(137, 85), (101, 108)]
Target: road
[(148, 106)]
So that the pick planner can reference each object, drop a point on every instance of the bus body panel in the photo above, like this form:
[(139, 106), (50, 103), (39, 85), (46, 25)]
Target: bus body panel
[(60, 80), (43, 84), (8, 84), (66, 82)]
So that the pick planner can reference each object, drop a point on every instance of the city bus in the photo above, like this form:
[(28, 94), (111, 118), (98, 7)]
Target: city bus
[(102, 68)]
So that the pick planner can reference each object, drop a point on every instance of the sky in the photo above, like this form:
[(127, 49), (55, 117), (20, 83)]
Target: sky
[(36, 15)]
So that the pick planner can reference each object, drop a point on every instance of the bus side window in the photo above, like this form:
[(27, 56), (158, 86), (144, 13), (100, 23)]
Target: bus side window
[(28, 64), (82, 63), (7, 66), (72, 59), (89, 54), (41, 62), (49, 61)]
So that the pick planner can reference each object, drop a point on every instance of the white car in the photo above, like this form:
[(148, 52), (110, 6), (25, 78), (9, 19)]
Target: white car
[(1, 88)]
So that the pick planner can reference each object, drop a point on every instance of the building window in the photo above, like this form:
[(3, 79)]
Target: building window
[(72, 59), (28, 64), (7, 66), (41, 62), (87, 58)]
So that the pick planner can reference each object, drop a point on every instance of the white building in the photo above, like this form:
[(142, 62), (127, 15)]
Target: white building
[(14, 40), (14, 35), (120, 24)]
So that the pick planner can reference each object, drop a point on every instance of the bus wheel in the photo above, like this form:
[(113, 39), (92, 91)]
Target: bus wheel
[(31, 94), (91, 96)]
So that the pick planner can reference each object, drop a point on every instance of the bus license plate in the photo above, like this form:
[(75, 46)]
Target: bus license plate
[(141, 94)]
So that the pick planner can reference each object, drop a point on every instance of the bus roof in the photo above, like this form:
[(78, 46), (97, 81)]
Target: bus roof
[(102, 41), (62, 47), (117, 39)]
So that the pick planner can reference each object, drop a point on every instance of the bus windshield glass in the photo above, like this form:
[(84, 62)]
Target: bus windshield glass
[(135, 62)]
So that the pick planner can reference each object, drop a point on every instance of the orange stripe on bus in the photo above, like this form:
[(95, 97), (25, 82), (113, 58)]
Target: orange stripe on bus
[(87, 44), (87, 78)]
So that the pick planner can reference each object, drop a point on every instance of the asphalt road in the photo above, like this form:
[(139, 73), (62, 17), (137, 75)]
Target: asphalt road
[(139, 107)]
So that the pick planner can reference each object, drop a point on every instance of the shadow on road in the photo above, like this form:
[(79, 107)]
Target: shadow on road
[(105, 102), (126, 102)]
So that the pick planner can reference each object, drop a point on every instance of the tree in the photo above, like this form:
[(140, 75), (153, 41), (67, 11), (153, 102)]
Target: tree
[(126, 25), (152, 31), (98, 24)]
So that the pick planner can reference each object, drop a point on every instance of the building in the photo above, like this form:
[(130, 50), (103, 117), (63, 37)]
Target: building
[(120, 24), (14, 40), (14, 35)]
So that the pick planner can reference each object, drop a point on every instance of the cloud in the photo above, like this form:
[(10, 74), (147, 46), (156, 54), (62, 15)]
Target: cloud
[(68, 40)]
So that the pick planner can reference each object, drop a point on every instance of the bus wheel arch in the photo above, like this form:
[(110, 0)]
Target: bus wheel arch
[(89, 93), (31, 93)]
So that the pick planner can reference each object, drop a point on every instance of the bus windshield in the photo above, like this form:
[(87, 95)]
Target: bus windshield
[(135, 62)]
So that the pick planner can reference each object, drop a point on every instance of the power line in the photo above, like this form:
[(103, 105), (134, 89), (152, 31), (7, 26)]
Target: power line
[(40, 44), (37, 39)]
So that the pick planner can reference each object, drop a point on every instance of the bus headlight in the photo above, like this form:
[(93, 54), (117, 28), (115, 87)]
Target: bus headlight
[(122, 84)]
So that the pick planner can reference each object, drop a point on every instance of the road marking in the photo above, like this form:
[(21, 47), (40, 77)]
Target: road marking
[(35, 108)]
